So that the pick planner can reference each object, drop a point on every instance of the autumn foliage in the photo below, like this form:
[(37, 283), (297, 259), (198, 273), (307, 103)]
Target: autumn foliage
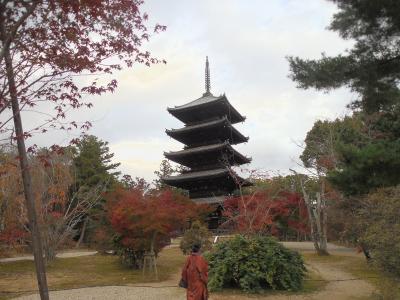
[(147, 221), (54, 43), (261, 213)]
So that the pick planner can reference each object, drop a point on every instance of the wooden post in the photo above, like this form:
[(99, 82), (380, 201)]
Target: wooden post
[(149, 261), (27, 182)]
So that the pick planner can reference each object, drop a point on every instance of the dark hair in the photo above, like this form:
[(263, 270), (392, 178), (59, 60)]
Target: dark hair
[(196, 247)]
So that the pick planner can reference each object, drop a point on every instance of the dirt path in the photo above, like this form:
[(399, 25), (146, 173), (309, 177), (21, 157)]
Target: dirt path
[(338, 288)]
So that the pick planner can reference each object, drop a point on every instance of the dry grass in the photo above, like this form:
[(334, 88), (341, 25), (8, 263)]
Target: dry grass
[(85, 271), (18, 278), (387, 288)]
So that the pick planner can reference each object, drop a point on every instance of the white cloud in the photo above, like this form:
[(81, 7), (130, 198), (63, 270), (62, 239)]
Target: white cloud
[(247, 43)]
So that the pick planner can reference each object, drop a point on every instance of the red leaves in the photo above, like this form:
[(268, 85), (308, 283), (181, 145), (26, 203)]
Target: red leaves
[(12, 236), (137, 216), (259, 212), (63, 40)]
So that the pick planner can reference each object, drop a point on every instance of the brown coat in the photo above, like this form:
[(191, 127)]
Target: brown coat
[(195, 273)]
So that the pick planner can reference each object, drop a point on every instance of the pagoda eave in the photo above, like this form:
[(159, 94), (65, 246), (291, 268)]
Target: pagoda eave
[(208, 155), (219, 177), (219, 130), (206, 107)]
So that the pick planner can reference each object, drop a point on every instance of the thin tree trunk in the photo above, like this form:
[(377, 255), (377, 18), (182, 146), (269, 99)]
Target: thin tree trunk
[(324, 222), (313, 229), (318, 221), (82, 235), (324, 235), (153, 255), (27, 182)]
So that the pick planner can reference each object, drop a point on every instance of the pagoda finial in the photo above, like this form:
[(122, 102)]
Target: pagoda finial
[(208, 84)]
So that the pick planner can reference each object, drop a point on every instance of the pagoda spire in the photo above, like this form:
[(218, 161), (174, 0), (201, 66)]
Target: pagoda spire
[(208, 84)]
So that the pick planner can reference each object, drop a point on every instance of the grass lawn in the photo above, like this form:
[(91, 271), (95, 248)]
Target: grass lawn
[(17, 278), (96, 270), (388, 288)]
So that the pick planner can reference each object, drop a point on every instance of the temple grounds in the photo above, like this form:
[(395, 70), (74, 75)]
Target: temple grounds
[(342, 275)]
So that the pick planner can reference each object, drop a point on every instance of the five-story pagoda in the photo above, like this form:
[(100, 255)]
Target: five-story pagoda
[(208, 155)]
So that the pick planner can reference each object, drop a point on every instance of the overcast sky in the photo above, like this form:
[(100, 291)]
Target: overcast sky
[(246, 42)]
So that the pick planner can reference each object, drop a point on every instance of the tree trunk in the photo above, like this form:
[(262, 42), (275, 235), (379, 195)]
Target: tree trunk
[(150, 258), (318, 221), (324, 222), (82, 235), (50, 254), (313, 229), (27, 182)]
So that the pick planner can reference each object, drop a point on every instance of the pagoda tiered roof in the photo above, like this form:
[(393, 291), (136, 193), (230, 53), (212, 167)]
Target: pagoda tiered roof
[(218, 130), (209, 183), (210, 155), (208, 136), (207, 107)]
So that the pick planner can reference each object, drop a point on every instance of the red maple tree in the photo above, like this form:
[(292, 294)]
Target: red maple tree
[(259, 212), (53, 44), (147, 221), (45, 48)]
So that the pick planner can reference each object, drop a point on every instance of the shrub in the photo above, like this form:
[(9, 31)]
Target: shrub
[(380, 217), (197, 234), (254, 263)]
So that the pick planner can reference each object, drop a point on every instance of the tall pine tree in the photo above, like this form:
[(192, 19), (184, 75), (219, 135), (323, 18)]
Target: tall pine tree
[(371, 69), (93, 167), (93, 163)]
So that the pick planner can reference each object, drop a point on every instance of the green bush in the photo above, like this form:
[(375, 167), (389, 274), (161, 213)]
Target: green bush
[(253, 264), (197, 234), (380, 217)]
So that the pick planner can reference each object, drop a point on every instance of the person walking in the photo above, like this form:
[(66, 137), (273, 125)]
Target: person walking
[(195, 275)]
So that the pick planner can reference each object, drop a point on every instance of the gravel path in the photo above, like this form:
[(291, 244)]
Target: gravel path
[(334, 290), (114, 292), (60, 255)]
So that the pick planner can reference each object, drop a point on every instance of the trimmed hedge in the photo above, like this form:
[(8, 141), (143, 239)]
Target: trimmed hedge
[(253, 264)]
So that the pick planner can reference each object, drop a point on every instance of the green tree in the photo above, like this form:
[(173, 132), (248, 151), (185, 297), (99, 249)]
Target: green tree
[(166, 169), (93, 163), (93, 167), (325, 137), (371, 69)]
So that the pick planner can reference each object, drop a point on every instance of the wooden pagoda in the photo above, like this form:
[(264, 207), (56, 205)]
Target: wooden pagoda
[(208, 155)]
